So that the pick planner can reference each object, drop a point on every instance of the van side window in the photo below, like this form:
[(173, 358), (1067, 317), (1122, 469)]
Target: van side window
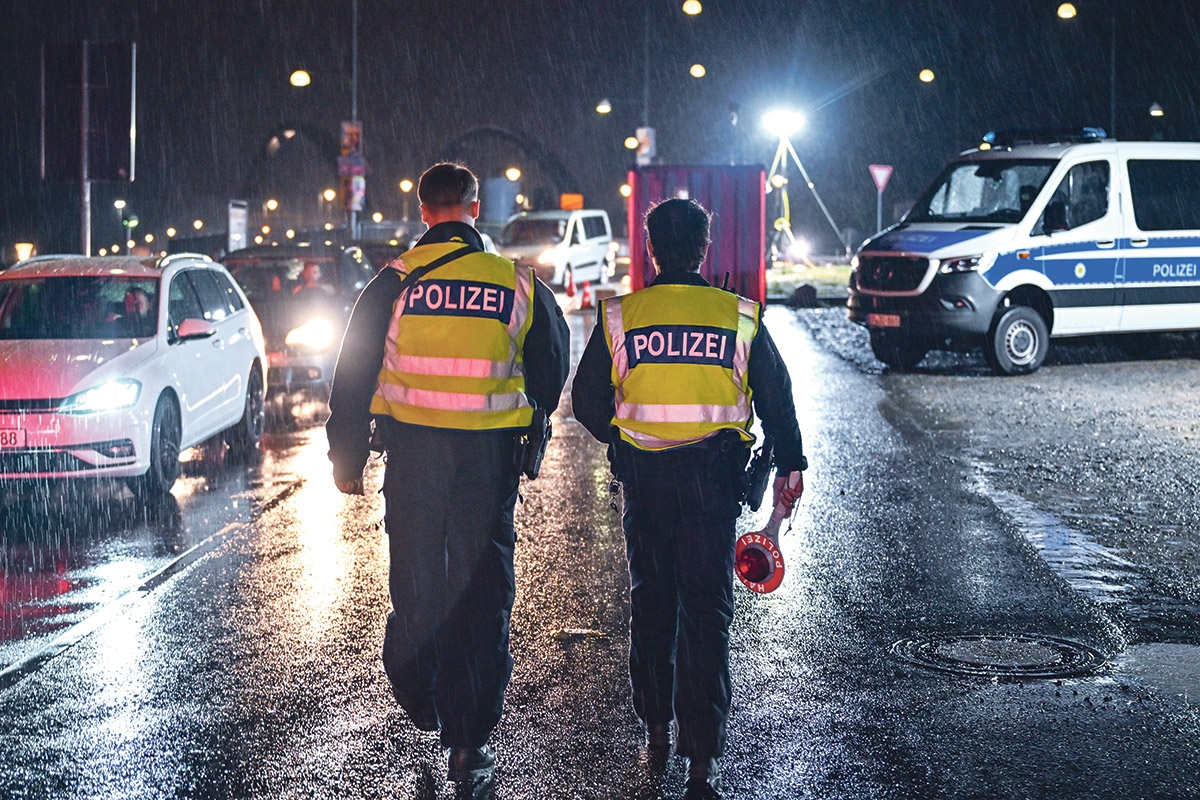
[(1165, 194), (1082, 197), (593, 227)]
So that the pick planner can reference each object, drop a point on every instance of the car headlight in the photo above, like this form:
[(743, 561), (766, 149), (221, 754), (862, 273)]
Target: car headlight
[(981, 263), (110, 396), (316, 334), (547, 256)]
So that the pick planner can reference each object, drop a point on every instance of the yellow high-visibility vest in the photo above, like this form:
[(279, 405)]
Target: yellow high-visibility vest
[(455, 345), (680, 356)]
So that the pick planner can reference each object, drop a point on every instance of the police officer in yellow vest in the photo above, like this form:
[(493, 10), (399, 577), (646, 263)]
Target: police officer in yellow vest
[(668, 379), (446, 354)]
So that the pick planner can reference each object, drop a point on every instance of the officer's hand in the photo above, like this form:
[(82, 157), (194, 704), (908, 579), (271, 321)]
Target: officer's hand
[(351, 487), (789, 494)]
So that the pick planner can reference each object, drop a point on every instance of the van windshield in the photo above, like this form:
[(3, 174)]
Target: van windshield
[(533, 231), (983, 191)]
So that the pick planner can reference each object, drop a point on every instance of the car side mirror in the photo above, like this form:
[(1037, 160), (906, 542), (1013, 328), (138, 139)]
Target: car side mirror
[(195, 329)]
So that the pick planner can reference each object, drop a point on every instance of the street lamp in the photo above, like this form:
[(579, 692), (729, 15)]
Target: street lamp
[(406, 186), (926, 76), (300, 78), (513, 174), (697, 71), (692, 7), (1156, 110), (197, 224)]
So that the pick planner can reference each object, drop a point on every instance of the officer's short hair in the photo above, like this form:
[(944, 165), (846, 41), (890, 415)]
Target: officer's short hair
[(678, 230), (447, 185)]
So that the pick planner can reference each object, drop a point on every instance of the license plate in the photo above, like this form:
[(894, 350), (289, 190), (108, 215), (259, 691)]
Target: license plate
[(12, 437), (883, 320)]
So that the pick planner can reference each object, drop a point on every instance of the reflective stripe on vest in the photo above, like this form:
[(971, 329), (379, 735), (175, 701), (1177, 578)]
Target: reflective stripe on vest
[(680, 356), (455, 345)]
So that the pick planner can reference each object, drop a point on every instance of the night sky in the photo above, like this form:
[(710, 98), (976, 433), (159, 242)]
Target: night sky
[(212, 87)]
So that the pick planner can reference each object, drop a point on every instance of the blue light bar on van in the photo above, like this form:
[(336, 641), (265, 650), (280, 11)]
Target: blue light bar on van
[(1011, 137)]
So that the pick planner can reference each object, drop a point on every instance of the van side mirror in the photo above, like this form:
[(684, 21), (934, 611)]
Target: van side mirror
[(1054, 218)]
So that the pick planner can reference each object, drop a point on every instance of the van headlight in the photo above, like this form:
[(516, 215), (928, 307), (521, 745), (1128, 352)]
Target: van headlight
[(980, 263), (316, 334), (110, 396), (547, 256)]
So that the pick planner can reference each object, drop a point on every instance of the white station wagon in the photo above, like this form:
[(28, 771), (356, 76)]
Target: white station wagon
[(110, 367)]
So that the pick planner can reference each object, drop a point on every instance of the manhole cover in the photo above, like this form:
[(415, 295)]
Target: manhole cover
[(1005, 656)]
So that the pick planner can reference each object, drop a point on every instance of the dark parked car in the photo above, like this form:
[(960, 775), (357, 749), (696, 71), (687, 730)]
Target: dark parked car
[(303, 293)]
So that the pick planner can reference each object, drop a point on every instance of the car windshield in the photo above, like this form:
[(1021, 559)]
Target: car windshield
[(983, 191), (78, 307), (279, 278), (533, 231)]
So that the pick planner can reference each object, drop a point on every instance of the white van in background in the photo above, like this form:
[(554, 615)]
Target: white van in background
[(1030, 237), (561, 246)]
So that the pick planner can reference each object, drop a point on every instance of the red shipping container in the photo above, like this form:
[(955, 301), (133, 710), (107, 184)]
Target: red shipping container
[(736, 197)]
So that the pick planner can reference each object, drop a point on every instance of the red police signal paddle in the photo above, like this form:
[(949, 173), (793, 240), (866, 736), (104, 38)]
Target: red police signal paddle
[(758, 563)]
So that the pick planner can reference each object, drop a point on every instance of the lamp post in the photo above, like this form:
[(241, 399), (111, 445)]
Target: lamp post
[(785, 124)]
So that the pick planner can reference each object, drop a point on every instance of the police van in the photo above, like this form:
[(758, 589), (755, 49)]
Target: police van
[(1029, 237)]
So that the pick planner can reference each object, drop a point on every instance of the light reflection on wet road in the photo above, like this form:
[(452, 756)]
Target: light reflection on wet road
[(254, 672)]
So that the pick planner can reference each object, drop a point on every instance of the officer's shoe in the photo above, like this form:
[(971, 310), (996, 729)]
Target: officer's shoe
[(658, 735), (703, 780), (471, 765)]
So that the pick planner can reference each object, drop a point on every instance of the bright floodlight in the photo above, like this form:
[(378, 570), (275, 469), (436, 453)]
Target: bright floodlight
[(798, 250), (783, 123)]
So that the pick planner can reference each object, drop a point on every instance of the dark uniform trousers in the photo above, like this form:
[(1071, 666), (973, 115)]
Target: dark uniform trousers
[(449, 498), (679, 515)]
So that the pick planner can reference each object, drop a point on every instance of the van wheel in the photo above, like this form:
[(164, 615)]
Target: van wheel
[(1018, 342), (897, 352), (164, 451)]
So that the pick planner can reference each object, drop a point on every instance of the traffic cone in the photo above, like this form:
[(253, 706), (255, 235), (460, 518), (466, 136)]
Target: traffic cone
[(586, 298), (570, 287)]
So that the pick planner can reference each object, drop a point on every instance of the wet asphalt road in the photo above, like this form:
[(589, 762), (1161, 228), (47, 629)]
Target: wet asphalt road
[(227, 644)]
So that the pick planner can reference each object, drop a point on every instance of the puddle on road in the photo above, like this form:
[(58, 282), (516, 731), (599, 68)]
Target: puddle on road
[(1171, 669)]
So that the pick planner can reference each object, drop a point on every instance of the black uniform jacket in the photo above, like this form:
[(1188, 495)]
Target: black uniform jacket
[(592, 395), (546, 356)]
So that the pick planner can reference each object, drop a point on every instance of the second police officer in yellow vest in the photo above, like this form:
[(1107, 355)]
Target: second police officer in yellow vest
[(668, 379)]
